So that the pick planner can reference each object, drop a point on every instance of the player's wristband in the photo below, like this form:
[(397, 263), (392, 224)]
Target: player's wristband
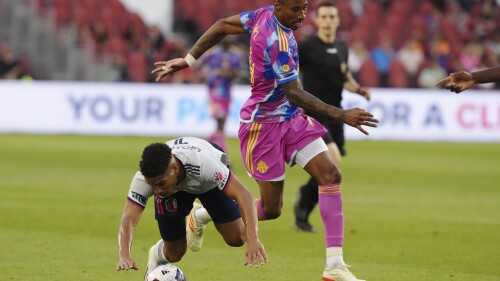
[(190, 59)]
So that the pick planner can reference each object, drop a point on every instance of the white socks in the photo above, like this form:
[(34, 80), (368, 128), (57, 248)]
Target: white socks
[(201, 215), (158, 253), (334, 258)]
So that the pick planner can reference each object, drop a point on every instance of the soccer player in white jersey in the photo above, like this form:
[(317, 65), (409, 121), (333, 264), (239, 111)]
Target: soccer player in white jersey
[(176, 173)]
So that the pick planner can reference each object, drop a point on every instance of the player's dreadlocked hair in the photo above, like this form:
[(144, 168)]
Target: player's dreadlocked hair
[(155, 159)]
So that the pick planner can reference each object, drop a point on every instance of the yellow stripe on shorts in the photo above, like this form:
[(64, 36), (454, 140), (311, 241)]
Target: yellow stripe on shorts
[(252, 140)]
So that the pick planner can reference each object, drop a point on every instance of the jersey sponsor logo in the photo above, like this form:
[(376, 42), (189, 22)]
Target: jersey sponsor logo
[(186, 147), (332, 50), (262, 167), (218, 176), (222, 180), (139, 198), (171, 205), (285, 68)]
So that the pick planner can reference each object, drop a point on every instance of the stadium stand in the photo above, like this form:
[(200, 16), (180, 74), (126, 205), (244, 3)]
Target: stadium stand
[(368, 74), (93, 40), (398, 77), (442, 29)]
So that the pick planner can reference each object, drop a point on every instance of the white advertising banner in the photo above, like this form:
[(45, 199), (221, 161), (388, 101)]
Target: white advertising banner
[(430, 115), (183, 110)]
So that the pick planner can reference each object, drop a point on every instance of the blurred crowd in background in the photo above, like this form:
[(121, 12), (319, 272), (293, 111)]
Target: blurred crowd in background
[(393, 43), (10, 65)]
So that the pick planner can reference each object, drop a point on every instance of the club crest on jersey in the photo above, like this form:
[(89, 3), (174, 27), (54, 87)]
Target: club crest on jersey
[(262, 167), (285, 68), (171, 205)]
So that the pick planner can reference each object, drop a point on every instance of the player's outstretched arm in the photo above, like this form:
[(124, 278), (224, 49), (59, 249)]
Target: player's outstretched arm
[(353, 86), (130, 217), (355, 117), (213, 35), (457, 82), (463, 80), (255, 254)]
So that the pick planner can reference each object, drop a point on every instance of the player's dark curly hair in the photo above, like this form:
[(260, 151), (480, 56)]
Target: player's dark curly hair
[(155, 159)]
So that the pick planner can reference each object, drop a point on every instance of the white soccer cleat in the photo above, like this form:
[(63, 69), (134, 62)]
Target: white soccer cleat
[(152, 263), (339, 274), (194, 230)]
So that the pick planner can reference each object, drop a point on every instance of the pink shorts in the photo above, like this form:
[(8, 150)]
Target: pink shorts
[(219, 106), (266, 147)]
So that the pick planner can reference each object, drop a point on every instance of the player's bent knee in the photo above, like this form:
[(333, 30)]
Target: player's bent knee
[(235, 238), (272, 214), (233, 233), (331, 177), (236, 241), (175, 257)]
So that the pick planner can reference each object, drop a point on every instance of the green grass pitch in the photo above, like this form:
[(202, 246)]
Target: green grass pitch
[(413, 211)]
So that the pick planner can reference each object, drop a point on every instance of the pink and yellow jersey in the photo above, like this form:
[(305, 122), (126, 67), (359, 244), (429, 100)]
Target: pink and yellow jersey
[(273, 61)]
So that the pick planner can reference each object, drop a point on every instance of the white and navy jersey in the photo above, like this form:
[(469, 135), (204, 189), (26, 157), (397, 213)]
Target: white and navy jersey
[(206, 168)]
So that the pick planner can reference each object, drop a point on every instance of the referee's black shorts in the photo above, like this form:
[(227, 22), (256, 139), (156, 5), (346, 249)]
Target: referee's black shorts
[(335, 133)]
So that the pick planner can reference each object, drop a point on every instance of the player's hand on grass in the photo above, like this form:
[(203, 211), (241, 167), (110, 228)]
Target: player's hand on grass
[(255, 254), (164, 68), (457, 82), (126, 264), (357, 117)]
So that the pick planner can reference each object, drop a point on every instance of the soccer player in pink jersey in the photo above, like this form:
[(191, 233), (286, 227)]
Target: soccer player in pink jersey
[(273, 131), (222, 66)]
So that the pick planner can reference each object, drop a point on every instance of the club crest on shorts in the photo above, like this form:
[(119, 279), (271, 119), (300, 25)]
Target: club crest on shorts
[(262, 167), (171, 205)]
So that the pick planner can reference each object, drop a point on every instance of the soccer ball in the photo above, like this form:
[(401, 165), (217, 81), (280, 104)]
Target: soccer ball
[(166, 272)]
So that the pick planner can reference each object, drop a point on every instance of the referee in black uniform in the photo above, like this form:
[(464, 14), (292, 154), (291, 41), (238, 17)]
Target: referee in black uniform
[(323, 65)]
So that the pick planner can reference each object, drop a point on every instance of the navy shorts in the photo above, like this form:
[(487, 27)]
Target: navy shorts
[(171, 212)]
